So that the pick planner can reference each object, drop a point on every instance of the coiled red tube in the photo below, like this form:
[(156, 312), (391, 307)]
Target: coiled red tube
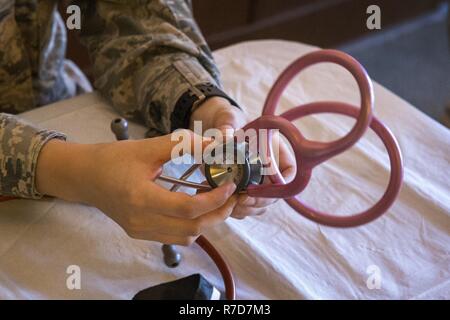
[(224, 269)]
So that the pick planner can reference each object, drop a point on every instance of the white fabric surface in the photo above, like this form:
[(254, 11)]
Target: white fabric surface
[(278, 255)]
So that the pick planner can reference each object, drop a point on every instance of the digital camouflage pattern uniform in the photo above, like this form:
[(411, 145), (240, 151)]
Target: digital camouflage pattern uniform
[(146, 54)]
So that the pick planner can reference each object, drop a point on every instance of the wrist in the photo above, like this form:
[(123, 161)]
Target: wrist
[(193, 99), (209, 111), (61, 170)]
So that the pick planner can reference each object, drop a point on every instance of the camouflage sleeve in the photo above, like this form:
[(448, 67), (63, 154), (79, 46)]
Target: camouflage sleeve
[(146, 54), (20, 145)]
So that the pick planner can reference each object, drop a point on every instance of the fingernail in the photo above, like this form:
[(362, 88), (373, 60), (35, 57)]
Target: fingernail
[(261, 212), (227, 131), (243, 199), (249, 201), (231, 188)]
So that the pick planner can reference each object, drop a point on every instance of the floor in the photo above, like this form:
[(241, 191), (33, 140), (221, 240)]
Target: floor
[(412, 60)]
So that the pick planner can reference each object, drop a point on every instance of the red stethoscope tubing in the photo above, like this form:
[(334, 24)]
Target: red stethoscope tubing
[(222, 265), (396, 169), (309, 154)]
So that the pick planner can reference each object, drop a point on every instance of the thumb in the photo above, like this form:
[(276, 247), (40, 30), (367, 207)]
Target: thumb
[(227, 131)]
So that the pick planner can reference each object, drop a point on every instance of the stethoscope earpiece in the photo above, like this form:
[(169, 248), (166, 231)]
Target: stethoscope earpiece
[(119, 127)]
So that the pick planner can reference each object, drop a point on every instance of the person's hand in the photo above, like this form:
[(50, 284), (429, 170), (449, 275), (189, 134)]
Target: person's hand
[(118, 178), (218, 113)]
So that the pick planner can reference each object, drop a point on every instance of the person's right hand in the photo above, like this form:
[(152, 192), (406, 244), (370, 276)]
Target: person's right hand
[(118, 178)]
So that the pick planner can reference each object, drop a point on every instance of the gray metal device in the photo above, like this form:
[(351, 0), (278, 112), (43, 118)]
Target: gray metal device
[(172, 257), (234, 164), (119, 127)]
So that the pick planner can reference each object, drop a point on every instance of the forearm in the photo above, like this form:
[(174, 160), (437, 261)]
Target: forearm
[(146, 55), (61, 170), (20, 147)]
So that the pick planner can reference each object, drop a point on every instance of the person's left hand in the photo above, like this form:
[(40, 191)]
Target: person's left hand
[(218, 113)]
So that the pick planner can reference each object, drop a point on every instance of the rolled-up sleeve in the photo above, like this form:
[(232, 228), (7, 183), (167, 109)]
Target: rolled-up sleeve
[(20, 146), (146, 55)]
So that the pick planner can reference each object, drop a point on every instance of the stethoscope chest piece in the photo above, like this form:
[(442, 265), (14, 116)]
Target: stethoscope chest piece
[(233, 163)]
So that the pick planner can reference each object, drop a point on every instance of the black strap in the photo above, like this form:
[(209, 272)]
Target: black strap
[(183, 108)]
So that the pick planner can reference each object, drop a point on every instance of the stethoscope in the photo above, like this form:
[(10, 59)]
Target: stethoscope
[(308, 154)]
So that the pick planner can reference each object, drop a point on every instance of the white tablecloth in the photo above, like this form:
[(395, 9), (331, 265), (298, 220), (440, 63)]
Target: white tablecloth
[(280, 254)]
